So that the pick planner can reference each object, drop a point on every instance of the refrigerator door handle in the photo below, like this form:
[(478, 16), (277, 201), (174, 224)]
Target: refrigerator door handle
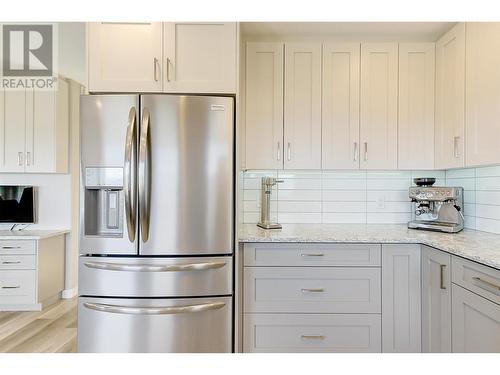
[(116, 309), (155, 268), (129, 175), (144, 175)]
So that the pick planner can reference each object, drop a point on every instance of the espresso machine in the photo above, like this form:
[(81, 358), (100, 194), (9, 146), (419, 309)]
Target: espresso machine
[(436, 208)]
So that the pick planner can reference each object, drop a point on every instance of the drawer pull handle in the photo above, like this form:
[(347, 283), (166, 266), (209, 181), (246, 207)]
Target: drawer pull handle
[(155, 268), (487, 283), (11, 287), (9, 262), (312, 290), (312, 255), (131, 310), (11, 247), (313, 337)]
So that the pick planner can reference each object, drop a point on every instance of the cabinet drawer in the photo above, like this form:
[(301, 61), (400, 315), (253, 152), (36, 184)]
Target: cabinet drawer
[(267, 254), (352, 333), (312, 290), (8, 247), (17, 262), (479, 279), (17, 287)]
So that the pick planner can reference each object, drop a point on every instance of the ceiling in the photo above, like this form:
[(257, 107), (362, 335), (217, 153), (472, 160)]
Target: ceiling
[(425, 31)]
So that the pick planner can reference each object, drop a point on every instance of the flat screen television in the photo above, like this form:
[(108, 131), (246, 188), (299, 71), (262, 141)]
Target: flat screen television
[(17, 204)]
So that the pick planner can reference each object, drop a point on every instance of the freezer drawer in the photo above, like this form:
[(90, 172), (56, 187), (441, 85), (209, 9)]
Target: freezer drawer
[(155, 277), (196, 325)]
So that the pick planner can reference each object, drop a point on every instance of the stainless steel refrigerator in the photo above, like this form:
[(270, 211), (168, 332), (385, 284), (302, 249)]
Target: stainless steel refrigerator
[(156, 224)]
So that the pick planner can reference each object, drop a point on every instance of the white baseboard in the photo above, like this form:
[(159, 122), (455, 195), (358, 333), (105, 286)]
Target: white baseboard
[(69, 293)]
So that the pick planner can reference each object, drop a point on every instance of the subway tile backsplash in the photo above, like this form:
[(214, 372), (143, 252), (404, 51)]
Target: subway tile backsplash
[(332, 196)]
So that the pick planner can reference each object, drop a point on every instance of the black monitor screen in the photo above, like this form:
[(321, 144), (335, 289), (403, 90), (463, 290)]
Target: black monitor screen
[(17, 204)]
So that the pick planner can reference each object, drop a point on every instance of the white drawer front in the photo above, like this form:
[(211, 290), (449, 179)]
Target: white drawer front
[(302, 254), (10, 247), (312, 290), (17, 287), (17, 262), (479, 279), (351, 333)]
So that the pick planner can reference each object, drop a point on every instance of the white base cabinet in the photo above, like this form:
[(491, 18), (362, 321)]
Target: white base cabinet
[(31, 273), (401, 314), (476, 323), (436, 301)]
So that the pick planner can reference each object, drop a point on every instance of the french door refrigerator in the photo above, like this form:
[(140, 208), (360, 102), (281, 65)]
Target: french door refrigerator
[(156, 224)]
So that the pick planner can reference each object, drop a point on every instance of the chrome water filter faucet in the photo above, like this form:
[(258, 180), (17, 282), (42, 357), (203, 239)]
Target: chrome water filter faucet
[(265, 210)]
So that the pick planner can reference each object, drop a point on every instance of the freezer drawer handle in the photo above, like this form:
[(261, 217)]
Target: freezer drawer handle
[(154, 310), (155, 268)]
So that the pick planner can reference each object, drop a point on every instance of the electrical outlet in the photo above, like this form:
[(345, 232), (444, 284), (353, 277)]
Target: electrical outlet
[(381, 202)]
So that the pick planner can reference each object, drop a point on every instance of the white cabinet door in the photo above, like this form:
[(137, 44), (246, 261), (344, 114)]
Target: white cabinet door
[(450, 99), (340, 106), (199, 57), (416, 106), (483, 93), (302, 134), (476, 323), (124, 57), (264, 106), (13, 131), (401, 314), (436, 301), (379, 105), (47, 130)]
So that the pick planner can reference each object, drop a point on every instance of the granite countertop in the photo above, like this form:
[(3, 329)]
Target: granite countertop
[(478, 246), (29, 234)]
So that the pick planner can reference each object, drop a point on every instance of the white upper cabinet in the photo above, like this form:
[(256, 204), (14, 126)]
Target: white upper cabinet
[(13, 131), (379, 105), (124, 57), (483, 93), (340, 106), (199, 57), (416, 106), (47, 130), (450, 99), (264, 106), (302, 120), (34, 130)]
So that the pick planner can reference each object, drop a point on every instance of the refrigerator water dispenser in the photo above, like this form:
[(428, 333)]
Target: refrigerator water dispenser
[(103, 201)]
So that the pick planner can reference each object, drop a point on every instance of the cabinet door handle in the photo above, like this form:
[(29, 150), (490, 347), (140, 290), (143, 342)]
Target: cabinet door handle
[(355, 151), (168, 69), (279, 152), (20, 159), (28, 158), (11, 287), (312, 290), (366, 151), (289, 152), (155, 63), (487, 283), (312, 255), (9, 262), (455, 146), (11, 247), (313, 337), (442, 268)]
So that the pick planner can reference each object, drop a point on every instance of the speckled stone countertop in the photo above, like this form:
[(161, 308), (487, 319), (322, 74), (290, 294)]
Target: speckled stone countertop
[(29, 234), (478, 246)]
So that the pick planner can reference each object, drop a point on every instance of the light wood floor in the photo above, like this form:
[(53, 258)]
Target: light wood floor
[(52, 330)]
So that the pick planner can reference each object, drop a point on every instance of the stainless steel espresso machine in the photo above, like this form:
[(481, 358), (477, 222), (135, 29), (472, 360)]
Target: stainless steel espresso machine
[(436, 208)]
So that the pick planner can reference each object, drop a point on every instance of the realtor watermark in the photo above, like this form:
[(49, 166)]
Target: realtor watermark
[(29, 56)]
